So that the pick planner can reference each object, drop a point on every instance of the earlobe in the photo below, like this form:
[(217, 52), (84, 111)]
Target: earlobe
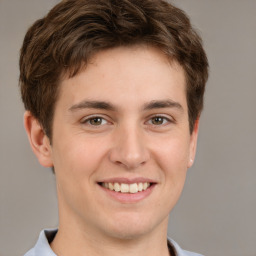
[(193, 143), (39, 141)]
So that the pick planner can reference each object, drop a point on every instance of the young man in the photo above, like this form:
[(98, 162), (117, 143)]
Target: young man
[(113, 91)]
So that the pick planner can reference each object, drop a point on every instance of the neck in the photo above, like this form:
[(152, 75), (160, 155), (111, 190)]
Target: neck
[(85, 242)]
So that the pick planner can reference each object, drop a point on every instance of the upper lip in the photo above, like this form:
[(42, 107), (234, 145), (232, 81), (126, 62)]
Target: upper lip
[(127, 180)]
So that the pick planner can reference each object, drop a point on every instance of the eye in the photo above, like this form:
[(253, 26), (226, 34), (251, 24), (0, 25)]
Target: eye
[(95, 121), (159, 120)]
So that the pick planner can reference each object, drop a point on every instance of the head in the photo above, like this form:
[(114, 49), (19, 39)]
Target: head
[(62, 43), (113, 91)]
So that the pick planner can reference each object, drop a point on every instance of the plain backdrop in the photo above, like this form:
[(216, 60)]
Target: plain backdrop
[(216, 212)]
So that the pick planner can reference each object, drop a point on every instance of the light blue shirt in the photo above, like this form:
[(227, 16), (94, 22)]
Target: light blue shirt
[(42, 247)]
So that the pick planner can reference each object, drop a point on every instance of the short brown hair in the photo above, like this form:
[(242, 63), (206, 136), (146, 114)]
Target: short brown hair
[(63, 41)]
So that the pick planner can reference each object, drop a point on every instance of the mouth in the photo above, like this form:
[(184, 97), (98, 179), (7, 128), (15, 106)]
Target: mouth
[(126, 188)]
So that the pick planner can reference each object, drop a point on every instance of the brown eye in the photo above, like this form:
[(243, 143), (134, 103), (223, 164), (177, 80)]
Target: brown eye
[(93, 121), (158, 120), (96, 121)]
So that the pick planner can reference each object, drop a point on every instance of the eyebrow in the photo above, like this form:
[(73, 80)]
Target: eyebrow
[(155, 104), (92, 104)]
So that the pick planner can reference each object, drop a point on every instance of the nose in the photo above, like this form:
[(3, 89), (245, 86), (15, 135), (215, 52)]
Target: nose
[(129, 150)]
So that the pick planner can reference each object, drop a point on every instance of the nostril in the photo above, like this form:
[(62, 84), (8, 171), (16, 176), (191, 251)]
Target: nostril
[(129, 157)]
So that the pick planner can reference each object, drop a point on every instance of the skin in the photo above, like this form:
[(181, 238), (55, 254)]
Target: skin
[(125, 141)]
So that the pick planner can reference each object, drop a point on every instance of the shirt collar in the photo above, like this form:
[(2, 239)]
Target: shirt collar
[(43, 248)]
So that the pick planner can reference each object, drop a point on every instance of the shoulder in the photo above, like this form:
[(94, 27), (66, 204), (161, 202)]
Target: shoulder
[(179, 251), (42, 247), (31, 252)]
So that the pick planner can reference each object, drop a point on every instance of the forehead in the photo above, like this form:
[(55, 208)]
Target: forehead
[(139, 74)]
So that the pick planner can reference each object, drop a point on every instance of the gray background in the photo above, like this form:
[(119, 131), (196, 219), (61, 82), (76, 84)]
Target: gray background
[(216, 213)]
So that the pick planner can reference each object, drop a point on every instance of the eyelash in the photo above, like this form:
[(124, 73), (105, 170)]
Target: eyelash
[(91, 118), (87, 120), (164, 118)]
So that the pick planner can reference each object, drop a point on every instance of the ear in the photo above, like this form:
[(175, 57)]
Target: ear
[(39, 141), (193, 143)]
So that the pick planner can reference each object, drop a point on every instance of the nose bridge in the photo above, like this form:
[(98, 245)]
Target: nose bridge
[(130, 148)]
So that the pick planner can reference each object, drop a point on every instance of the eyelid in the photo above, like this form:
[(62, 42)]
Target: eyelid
[(168, 118), (84, 120)]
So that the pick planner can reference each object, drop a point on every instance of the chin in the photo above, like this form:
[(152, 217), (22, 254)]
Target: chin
[(130, 233), (132, 227)]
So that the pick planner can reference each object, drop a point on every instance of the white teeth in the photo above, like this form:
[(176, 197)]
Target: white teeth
[(140, 187), (145, 185), (111, 186), (133, 188), (126, 188), (117, 187)]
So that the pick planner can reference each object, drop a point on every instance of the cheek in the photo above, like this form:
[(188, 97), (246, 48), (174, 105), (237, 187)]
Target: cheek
[(76, 163), (172, 157), (78, 157), (174, 152)]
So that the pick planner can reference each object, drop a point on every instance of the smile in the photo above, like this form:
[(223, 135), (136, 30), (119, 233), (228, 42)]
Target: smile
[(126, 188)]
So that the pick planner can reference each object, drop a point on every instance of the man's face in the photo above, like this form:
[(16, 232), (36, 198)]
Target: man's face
[(122, 123)]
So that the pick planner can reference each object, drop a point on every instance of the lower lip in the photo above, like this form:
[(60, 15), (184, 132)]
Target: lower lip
[(129, 197)]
